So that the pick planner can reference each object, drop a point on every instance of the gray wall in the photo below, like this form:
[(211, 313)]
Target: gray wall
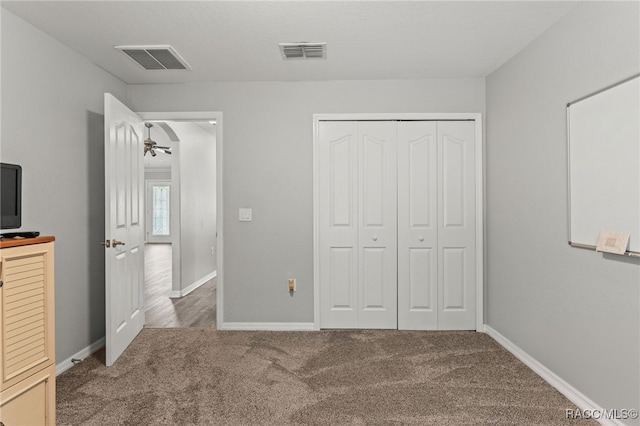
[(157, 174), (576, 311), (267, 145), (197, 201), (53, 125)]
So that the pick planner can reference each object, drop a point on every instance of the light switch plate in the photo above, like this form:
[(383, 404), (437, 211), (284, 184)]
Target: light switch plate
[(245, 215)]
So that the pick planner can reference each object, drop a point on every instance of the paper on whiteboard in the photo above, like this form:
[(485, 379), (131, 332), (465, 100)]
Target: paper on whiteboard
[(613, 242)]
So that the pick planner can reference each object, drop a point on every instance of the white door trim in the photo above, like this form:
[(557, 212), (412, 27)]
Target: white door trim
[(217, 117), (477, 118)]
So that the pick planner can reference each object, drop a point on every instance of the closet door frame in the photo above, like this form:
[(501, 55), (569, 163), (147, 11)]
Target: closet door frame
[(479, 191)]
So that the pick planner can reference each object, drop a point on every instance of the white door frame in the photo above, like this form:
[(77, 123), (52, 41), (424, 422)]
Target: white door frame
[(477, 118), (217, 117)]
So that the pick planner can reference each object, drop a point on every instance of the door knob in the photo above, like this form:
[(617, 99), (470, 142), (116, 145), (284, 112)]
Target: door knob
[(117, 243)]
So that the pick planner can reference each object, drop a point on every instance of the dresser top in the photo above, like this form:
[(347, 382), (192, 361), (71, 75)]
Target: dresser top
[(16, 242)]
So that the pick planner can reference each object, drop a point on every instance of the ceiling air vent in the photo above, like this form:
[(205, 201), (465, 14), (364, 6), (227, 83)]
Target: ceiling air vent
[(303, 50), (155, 57)]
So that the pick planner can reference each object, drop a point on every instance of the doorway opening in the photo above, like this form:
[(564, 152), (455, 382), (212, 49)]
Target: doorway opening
[(181, 231)]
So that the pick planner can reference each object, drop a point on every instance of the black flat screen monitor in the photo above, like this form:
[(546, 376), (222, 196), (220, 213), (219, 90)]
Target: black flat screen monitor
[(10, 196)]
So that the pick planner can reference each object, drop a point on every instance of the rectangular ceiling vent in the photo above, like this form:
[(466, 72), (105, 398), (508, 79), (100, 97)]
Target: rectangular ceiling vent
[(303, 50), (162, 57)]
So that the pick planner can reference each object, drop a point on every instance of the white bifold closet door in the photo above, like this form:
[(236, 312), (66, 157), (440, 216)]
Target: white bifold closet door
[(436, 225), (396, 219), (358, 237)]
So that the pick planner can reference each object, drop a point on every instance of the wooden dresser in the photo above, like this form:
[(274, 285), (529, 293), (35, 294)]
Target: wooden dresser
[(27, 333)]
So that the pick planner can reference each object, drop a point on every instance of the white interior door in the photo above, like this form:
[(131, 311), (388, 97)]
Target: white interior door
[(456, 225), (377, 234), (357, 216), (417, 225), (338, 221), (436, 225), (124, 227)]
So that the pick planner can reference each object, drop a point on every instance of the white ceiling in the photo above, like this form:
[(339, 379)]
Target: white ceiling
[(238, 40)]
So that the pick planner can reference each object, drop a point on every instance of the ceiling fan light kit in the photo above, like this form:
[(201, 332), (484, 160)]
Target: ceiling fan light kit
[(151, 146)]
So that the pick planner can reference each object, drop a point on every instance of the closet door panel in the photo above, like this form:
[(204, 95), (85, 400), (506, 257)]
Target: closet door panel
[(456, 225), (374, 175), (338, 223), (453, 277), (341, 276), (422, 283), (377, 173), (373, 294), (453, 181), (417, 225)]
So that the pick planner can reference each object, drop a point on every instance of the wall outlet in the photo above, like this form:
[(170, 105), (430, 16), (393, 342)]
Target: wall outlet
[(292, 284)]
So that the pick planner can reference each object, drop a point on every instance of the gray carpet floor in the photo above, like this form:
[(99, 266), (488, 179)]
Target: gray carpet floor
[(373, 377)]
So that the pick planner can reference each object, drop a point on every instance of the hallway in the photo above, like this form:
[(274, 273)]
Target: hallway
[(197, 309)]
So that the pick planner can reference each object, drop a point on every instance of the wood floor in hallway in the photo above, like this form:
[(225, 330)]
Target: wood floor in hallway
[(197, 309)]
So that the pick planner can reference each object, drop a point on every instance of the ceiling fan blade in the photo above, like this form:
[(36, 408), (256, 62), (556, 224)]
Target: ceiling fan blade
[(163, 147)]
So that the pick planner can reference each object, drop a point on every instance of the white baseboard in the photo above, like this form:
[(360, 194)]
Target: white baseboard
[(63, 366), (268, 326), (572, 394), (185, 291)]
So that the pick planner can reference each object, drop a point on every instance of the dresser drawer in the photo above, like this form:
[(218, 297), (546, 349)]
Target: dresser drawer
[(31, 401), (27, 315)]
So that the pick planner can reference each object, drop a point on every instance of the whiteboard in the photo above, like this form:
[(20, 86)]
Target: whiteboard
[(604, 164)]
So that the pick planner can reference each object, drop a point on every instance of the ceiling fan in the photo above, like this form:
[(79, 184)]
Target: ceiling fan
[(151, 145)]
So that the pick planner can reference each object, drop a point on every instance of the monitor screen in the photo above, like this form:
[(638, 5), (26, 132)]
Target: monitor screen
[(10, 196)]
